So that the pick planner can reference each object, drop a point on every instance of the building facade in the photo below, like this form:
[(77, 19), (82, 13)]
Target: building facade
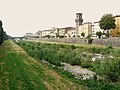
[(45, 33), (85, 28), (38, 34), (95, 29), (117, 29), (29, 35), (71, 33)]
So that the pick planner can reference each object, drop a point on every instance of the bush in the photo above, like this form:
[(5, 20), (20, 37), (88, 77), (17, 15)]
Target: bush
[(55, 54), (90, 41), (73, 47), (110, 47), (86, 64)]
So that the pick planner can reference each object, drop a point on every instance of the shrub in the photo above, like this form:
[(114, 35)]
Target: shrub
[(90, 41), (73, 47), (86, 64), (110, 47)]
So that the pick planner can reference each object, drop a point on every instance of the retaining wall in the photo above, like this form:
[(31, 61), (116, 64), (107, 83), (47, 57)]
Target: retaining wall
[(106, 42)]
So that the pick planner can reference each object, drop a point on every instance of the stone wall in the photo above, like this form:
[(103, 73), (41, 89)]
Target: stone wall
[(106, 42)]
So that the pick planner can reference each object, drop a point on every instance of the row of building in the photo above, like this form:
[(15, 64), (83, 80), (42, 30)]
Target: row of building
[(87, 28)]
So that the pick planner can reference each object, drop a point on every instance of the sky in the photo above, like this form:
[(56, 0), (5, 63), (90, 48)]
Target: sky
[(23, 16)]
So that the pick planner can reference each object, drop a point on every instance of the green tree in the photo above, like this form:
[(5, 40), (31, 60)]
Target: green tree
[(99, 34), (5, 36), (1, 33), (90, 40), (107, 22), (83, 34)]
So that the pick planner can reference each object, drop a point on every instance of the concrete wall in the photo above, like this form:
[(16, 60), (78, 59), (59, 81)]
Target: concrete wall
[(106, 42)]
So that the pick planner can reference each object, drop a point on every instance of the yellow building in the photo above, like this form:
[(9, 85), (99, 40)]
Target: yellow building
[(117, 29), (85, 28)]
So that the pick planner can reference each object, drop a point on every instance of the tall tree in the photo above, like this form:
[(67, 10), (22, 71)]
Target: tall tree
[(99, 34), (107, 22), (1, 33)]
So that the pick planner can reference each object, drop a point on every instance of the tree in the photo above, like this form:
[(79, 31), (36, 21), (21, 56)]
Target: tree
[(107, 22), (83, 34), (5, 36), (1, 33), (99, 34), (89, 39), (47, 36)]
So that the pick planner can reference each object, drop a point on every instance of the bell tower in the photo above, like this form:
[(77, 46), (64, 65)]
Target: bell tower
[(78, 22)]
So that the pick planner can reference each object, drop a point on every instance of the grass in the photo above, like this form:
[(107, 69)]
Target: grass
[(72, 54), (19, 71), (15, 74)]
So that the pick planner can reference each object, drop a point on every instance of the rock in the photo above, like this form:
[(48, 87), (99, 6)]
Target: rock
[(80, 73)]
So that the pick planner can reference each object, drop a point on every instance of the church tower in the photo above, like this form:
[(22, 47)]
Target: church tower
[(78, 22)]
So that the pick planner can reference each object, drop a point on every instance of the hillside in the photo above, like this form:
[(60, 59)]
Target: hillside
[(19, 71)]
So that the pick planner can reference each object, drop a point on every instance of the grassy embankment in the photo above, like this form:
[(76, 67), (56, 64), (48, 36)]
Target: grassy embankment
[(108, 68), (19, 71)]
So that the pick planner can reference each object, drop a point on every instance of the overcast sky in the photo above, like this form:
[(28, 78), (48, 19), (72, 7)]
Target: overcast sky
[(22, 16)]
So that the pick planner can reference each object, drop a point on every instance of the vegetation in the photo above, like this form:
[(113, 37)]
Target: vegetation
[(18, 71), (57, 53), (107, 22), (47, 36), (3, 35), (83, 34), (89, 39), (99, 34)]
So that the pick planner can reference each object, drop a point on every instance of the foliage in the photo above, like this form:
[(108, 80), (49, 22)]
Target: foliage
[(61, 36), (107, 22), (89, 84), (47, 36), (110, 47), (99, 34), (83, 34), (89, 36), (86, 64), (90, 40), (110, 70), (57, 53), (3, 35)]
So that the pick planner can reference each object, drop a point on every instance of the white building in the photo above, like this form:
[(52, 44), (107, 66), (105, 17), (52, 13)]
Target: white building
[(95, 29), (39, 34), (45, 33), (71, 33), (29, 35), (54, 32)]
